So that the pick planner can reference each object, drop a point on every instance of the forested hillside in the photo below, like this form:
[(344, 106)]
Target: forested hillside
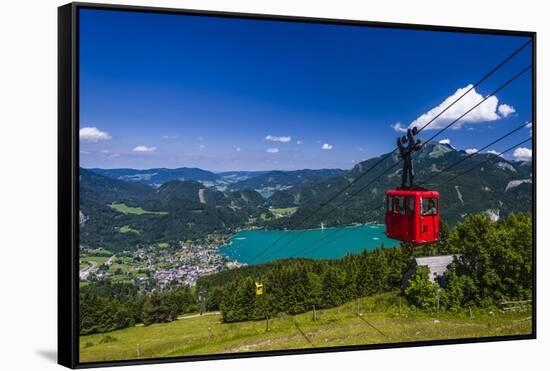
[(495, 262), (120, 215)]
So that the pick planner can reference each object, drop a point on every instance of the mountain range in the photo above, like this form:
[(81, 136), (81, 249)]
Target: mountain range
[(496, 186), (158, 176), (125, 208), (265, 181), (276, 180)]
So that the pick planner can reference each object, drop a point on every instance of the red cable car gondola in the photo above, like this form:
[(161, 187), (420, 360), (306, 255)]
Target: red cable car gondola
[(412, 213), (412, 216)]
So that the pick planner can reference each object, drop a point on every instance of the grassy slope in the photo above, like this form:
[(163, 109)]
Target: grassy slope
[(334, 327), (125, 209), (127, 229), (282, 212), (98, 259)]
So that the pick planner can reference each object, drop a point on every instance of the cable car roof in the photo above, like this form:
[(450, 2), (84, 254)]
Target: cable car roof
[(413, 192)]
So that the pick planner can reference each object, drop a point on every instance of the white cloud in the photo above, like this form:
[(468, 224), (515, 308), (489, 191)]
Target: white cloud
[(238, 149), (445, 141), (299, 142), (523, 154), (93, 134), (327, 147), (201, 147), (493, 152), (109, 153), (399, 128), (278, 139), (486, 111), (144, 148), (506, 110), (471, 150), (169, 137), (272, 150)]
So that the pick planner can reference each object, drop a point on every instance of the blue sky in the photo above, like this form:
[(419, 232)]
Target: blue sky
[(159, 90)]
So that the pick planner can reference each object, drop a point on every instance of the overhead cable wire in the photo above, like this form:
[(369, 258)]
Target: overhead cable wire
[(383, 158), (474, 153), (502, 86)]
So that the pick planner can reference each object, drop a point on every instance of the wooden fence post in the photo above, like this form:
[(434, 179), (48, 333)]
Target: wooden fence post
[(400, 299)]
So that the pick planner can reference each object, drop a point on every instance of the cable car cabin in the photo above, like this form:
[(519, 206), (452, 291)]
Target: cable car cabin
[(412, 216)]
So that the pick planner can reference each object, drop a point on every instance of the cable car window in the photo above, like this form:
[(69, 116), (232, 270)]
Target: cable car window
[(410, 205), (398, 205), (429, 206)]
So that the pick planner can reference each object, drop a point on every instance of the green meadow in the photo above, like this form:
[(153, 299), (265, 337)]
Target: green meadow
[(125, 209), (92, 258), (371, 320), (128, 229), (284, 211)]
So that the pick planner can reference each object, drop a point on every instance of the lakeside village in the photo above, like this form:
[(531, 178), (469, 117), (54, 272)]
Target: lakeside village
[(157, 266)]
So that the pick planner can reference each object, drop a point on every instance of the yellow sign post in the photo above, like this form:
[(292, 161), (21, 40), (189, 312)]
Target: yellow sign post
[(259, 288)]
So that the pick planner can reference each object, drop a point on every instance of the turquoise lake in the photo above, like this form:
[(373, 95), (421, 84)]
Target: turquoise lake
[(325, 243)]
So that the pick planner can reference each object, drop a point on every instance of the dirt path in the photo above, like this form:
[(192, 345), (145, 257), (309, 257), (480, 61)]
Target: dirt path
[(198, 315)]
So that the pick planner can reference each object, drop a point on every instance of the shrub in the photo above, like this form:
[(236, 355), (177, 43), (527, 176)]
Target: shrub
[(107, 339), (420, 291)]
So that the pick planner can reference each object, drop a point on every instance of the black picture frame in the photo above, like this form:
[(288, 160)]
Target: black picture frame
[(68, 181)]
